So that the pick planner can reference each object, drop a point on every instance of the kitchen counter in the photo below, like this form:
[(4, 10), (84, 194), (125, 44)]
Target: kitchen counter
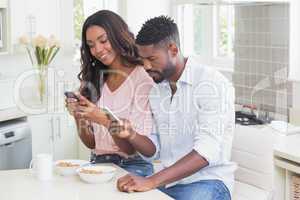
[(11, 113), (288, 147), (287, 164), (21, 184)]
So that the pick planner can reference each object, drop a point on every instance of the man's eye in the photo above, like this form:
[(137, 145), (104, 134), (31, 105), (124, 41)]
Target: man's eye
[(103, 41)]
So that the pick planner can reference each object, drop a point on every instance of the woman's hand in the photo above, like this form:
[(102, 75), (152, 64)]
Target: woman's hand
[(71, 105), (122, 129), (89, 111)]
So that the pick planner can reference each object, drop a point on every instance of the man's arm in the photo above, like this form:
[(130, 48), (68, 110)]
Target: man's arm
[(209, 136), (123, 131), (142, 144), (184, 167)]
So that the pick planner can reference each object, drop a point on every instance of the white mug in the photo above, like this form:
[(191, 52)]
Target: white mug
[(42, 166)]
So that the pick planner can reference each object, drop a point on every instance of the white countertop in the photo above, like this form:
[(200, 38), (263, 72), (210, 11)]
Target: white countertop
[(288, 147), (11, 113), (22, 185), (285, 146)]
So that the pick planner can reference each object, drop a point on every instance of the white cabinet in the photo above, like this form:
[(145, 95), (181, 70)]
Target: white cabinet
[(65, 137), (54, 133), (4, 27), (44, 17), (7, 88), (3, 3)]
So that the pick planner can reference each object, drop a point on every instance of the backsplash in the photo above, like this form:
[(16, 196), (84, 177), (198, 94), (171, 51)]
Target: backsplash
[(262, 57)]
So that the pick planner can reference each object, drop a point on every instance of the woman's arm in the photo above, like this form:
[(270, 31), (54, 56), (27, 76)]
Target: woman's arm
[(124, 145), (139, 125), (89, 111), (85, 132)]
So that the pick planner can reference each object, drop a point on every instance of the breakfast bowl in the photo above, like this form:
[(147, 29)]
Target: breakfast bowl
[(69, 167), (96, 173)]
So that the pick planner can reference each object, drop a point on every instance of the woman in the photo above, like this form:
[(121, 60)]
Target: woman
[(111, 76)]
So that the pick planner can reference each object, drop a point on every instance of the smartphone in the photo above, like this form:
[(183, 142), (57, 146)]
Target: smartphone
[(71, 95), (111, 115)]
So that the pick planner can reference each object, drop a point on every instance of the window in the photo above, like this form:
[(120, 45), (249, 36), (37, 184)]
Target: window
[(1, 31), (191, 19), (207, 30), (224, 25), (84, 8)]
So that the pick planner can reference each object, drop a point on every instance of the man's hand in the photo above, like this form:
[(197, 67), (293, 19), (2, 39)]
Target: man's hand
[(132, 183), (122, 129)]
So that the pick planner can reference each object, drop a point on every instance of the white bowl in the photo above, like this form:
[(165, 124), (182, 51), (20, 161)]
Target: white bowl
[(102, 173), (69, 170)]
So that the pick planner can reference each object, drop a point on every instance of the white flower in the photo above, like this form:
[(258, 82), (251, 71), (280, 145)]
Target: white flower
[(46, 51), (24, 40), (39, 41), (53, 42)]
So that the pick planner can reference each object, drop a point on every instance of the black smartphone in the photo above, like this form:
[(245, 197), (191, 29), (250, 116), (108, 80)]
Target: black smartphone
[(71, 95)]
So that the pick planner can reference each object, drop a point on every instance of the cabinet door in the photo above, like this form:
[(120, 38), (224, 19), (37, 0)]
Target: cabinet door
[(42, 133), (65, 137)]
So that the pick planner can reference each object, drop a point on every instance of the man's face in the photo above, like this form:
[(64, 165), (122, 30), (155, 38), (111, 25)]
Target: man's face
[(157, 62)]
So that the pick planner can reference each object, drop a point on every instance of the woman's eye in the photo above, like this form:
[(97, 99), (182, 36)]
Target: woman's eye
[(90, 45), (103, 41)]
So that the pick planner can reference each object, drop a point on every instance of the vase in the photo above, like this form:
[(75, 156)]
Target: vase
[(42, 83)]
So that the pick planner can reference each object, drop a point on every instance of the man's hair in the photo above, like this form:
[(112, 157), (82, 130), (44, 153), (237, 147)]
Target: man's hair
[(158, 30)]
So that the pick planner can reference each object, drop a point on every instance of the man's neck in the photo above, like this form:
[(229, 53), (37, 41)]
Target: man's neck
[(179, 69)]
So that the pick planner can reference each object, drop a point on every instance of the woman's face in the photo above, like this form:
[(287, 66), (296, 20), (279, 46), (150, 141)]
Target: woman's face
[(100, 47)]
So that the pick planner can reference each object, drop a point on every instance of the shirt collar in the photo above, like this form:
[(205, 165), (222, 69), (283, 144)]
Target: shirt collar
[(187, 74)]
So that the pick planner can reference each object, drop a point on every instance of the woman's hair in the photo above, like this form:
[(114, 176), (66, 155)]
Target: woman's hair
[(93, 72)]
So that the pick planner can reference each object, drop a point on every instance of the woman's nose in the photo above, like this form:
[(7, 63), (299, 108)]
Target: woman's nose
[(98, 48)]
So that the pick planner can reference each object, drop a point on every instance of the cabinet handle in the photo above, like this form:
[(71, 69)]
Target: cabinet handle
[(52, 127), (58, 122)]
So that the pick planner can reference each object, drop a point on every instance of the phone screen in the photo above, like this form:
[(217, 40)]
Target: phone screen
[(71, 95)]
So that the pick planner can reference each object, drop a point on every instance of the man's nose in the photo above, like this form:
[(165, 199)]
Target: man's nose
[(147, 64)]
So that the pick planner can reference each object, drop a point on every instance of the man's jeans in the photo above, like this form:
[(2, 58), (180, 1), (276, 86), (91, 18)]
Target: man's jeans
[(135, 165), (201, 190)]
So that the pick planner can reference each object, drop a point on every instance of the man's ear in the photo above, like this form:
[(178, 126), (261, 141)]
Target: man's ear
[(173, 49)]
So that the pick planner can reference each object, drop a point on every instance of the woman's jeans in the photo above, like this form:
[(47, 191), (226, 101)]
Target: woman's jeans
[(201, 190), (135, 165)]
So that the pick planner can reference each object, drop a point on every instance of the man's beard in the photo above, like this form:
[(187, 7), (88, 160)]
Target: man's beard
[(158, 76)]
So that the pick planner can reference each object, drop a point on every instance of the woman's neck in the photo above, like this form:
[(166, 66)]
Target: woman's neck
[(117, 77)]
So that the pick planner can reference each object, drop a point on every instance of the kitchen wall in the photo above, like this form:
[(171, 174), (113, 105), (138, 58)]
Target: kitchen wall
[(37, 17), (261, 57), (137, 12), (56, 17)]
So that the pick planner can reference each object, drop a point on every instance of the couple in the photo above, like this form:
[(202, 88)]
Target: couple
[(185, 120)]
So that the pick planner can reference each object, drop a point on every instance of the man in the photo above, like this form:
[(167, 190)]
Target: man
[(193, 109)]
